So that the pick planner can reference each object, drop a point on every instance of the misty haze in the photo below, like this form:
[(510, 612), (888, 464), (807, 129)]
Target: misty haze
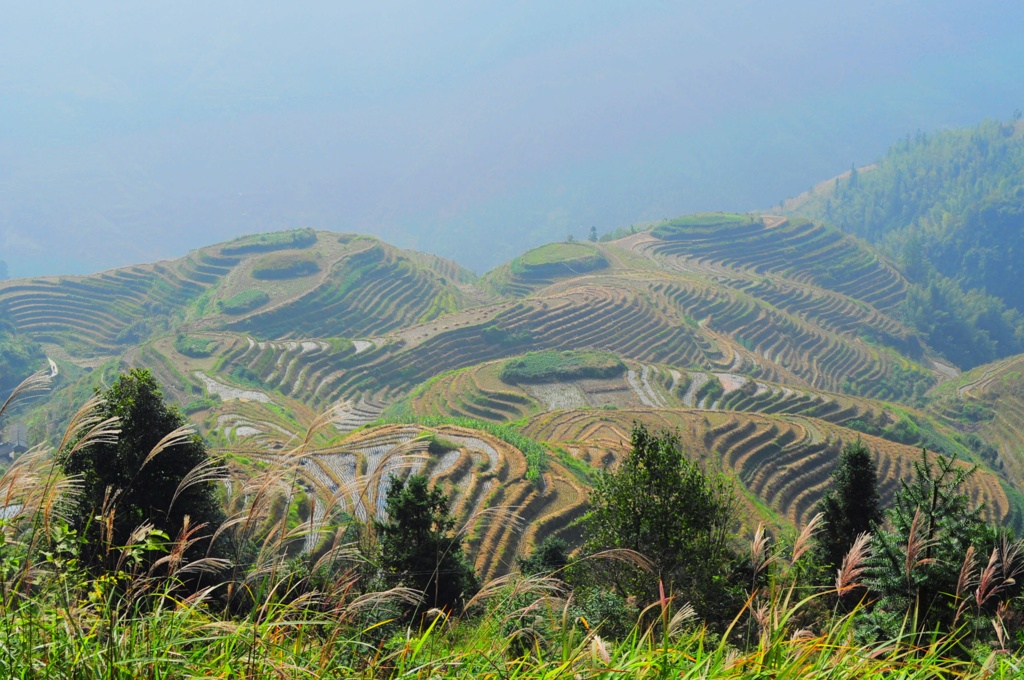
[(465, 131)]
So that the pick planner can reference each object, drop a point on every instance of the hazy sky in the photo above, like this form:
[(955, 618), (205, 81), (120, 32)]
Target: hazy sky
[(136, 131)]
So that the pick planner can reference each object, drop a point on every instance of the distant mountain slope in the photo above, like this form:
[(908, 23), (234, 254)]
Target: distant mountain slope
[(948, 208)]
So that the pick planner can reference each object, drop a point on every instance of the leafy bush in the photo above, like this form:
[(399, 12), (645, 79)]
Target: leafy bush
[(243, 302), (712, 389), (201, 404), (495, 335), (148, 486), (284, 267), (553, 365), (278, 240)]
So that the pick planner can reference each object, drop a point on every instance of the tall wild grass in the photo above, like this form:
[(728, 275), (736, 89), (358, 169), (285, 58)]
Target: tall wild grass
[(296, 600)]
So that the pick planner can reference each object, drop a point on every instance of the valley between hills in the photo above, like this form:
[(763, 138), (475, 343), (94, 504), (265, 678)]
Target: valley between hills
[(767, 342)]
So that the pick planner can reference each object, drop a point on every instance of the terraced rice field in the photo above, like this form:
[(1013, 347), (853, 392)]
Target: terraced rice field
[(309, 370), (786, 344), (763, 341), (784, 461), (798, 250), (502, 512), (477, 393), (368, 292), (95, 315), (989, 402)]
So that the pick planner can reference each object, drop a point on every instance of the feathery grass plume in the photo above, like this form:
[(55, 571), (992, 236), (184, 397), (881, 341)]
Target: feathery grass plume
[(803, 540), (624, 555), (759, 557), (802, 634), (966, 579), (33, 385), (988, 584), (685, 614), (848, 575), (512, 585), (87, 427), (1000, 629), (399, 595), (188, 535), (1010, 563), (206, 471), (916, 544), (964, 582), (599, 650), (23, 485), (176, 437)]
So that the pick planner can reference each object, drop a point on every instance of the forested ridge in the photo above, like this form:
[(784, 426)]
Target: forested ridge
[(948, 207)]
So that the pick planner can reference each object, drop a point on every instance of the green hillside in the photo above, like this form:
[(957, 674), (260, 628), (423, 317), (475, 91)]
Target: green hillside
[(947, 208)]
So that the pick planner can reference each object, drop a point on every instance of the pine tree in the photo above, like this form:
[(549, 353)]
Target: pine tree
[(850, 507), (916, 562), (418, 547), (123, 478)]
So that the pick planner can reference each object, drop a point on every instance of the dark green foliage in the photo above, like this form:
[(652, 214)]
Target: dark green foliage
[(711, 390), (20, 356), (274, 267), (917, 557), (968, 327), (262, 243), (553, 365), (614, 614), (418, 546), (243, 302), (196, 348), (947, 207), (850, 507), (144, 493), (550, 557), (136, 332), (666, 508)]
